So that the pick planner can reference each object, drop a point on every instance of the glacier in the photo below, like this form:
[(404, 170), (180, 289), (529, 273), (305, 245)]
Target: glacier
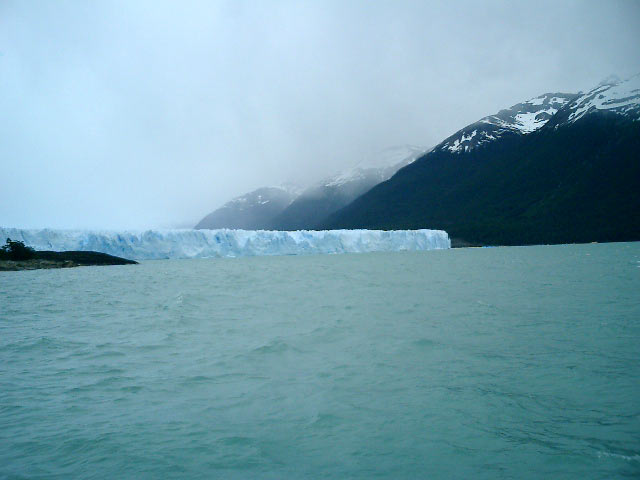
[(187, 243)]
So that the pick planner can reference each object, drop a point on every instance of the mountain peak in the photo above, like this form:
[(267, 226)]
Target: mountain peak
[(611, 95), (390, 156), (251, 211), (610, 80), (379, 167), (621, 97)]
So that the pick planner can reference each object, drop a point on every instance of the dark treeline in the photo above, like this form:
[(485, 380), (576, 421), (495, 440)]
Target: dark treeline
[(577, 183)]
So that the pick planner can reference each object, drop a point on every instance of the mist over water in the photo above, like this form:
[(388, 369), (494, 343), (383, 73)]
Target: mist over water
[(475, 363)]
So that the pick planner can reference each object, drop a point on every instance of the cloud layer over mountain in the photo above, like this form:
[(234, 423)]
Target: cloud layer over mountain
[(148, 114)]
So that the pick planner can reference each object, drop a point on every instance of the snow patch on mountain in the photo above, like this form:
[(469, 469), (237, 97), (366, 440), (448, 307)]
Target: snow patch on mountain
[(253, 211), (621, 97), (261, 197), (610, 80), (520, 119), (611, 95), (379, 167)]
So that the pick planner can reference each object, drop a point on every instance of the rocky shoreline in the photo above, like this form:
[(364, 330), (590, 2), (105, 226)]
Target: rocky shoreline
[(49, 259)]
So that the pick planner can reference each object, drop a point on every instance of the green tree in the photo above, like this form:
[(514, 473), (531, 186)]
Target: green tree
[(16, 250)]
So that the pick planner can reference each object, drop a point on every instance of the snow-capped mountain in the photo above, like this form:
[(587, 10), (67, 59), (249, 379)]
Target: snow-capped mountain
[(319, 201), (611, 96), (519, 119), (530, 173), (289, 207), (378, 167), (559, 168), (252, 211)]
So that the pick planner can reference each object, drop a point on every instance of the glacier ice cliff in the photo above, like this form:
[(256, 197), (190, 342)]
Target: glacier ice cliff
[(158, 244)]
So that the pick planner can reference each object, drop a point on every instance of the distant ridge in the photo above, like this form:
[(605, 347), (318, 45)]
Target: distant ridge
[(314, 205), (290, 207), (252, 211)]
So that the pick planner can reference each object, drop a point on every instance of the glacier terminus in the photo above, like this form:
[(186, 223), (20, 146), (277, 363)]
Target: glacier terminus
[(187, 243)]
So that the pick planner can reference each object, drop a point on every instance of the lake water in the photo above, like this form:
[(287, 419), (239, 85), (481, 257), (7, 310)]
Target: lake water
[(492, 363)]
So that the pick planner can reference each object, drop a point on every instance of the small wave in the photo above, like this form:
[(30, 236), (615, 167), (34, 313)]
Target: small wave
[(150, 347), (196, 379), (43, 343), (425, 343), (237, 441), (276, 346), (102, 383), (107, 354), (10, 409), (326, 420), (131, 388), (628, 458)]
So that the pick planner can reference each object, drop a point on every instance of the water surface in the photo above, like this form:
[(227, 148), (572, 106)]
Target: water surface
[(476, 363)]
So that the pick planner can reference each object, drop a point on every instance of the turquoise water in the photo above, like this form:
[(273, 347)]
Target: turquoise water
[(474, 363)]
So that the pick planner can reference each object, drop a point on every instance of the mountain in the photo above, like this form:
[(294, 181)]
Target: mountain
[(520, 119), (315, 204), (252, 211), (287, 208), (558, 168), (611, 97)]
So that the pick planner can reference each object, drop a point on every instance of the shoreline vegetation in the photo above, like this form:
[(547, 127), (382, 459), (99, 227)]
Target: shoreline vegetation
[(15, 255)]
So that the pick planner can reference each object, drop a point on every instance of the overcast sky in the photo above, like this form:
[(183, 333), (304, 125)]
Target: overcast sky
[(151, 114)]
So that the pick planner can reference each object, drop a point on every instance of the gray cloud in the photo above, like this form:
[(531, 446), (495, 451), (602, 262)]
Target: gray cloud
[(146, 114)]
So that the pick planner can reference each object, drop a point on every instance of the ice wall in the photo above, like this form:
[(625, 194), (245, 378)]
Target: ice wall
[(156, 244)]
